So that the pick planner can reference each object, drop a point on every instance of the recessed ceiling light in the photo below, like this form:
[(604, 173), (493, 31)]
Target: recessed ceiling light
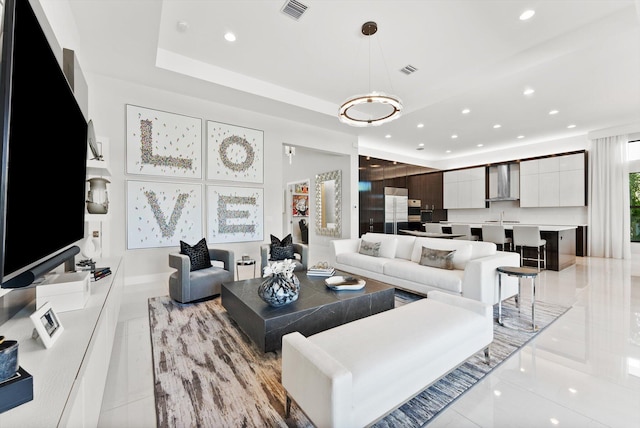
[(375, 165), (421, 125), (421, 145), (554, 421), (527, 14), (466, 111), (230, 37), (571, 126), (553, 112), (480, 145), (497, 393), (520, 137), (387, 136), (528, 91), (182, 26), (454, 136), (448, 151), (496, 126)]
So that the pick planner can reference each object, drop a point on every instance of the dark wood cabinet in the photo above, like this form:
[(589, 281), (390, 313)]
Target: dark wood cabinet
[(376, 174)]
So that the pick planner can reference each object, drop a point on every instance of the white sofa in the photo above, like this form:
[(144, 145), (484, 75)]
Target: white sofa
[(354, 374), (474, 274)]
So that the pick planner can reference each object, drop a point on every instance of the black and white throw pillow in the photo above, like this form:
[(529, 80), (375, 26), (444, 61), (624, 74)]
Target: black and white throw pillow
[(282, 249), (198, 254)]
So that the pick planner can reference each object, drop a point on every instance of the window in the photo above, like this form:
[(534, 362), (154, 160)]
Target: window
[(634, 189)]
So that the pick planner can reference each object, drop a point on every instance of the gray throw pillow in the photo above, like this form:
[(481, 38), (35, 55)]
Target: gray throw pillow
[(442, 259), (369, 248)]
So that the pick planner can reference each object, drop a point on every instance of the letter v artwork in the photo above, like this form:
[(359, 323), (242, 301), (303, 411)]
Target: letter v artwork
[(162, 214)]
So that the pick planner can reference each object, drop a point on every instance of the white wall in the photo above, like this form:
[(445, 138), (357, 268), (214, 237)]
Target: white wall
[(107, 100)]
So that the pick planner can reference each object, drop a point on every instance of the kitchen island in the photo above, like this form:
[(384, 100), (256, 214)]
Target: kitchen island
[(561, 242)]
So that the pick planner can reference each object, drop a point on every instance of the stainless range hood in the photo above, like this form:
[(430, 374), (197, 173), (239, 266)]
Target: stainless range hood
[(501, 177)]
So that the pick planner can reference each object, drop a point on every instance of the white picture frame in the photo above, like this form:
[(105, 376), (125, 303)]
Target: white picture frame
[(162, 214), (234, 153), (163, 143), (47, 324), (235, 214)]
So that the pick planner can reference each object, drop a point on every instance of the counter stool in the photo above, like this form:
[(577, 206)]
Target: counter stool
[(463, 229), (519, 272), (433, 227), (496, 234), (529, 237)]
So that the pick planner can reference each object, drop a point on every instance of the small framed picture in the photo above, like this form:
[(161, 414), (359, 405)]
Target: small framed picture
[(47, 324)]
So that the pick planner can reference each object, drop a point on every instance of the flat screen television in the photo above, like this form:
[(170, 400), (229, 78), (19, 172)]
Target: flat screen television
[(43, 153)]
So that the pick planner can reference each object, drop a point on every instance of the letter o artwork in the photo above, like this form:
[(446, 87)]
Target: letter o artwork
[(230, 149)]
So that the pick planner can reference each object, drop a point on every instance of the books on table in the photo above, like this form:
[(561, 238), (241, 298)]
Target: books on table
[(318, 271)]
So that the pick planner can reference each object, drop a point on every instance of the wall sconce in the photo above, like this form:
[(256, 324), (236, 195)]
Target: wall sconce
[(290, 151)]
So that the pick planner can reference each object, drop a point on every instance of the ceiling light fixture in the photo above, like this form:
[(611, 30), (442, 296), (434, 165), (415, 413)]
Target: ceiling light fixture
[(230, 37), (454, 136), (374, 108), (571, 126), (387, 136), (496, 126), (527, 14), (552, 112), (421, 125), (480, 145), (528, 91), (466, 111), (520, 137)]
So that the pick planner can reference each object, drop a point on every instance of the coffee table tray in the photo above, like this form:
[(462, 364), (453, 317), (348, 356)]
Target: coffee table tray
[(344, 283)]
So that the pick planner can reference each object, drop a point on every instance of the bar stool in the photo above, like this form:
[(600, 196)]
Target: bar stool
[(496, 234), (529, 237), (463, 229), (433, 227)]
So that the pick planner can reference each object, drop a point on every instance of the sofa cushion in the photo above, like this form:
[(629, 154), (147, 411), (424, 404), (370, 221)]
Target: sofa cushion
[(460, 258), (442, 259), (198, 254), (448, 280), (482, 249), (398, 342), (388, 243), (373, 264), (405, 246), (369, 248)]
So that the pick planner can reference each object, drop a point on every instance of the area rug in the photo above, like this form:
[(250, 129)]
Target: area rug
[(208, 373)]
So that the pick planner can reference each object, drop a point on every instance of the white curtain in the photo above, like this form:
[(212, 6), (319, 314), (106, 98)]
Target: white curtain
[(609, 218)]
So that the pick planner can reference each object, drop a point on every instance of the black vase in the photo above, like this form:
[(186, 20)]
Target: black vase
[(278, 290)]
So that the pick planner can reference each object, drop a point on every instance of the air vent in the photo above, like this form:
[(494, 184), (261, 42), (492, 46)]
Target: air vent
[(294, 9), (408, 69)]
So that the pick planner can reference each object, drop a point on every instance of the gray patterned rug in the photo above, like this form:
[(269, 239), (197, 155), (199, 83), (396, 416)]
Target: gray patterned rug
[(207, 373)]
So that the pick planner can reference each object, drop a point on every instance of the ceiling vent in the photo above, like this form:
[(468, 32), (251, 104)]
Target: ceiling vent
[(409, 69), (294, 9)]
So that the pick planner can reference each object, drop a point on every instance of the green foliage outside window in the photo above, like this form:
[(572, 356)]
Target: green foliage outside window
[(634, 197)]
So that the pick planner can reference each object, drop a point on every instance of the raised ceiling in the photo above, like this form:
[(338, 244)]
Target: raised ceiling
[(582, 58)]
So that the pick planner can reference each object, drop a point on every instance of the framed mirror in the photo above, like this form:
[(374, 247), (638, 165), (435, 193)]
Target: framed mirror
[(329, 203)]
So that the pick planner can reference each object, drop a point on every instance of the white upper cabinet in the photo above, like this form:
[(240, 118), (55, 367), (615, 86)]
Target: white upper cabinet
[(464, 188), (557, 181)]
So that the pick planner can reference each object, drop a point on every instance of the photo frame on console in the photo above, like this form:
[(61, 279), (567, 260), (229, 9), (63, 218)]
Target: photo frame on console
[(234, 153), (47, 324), (163, 143), (235, 214), (163, 214)]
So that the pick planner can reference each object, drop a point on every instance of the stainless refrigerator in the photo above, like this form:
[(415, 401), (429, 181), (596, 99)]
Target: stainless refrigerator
[(396, 209)]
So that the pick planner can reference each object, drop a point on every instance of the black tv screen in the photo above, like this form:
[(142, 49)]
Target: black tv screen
[(44, 148)]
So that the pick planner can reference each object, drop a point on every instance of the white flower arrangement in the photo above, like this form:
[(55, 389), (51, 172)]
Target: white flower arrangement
[(283, 267)]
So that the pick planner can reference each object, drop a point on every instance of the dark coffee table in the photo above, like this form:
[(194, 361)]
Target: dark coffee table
[(317, 309)]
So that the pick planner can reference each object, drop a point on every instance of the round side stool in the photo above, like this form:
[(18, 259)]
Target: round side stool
[(518, 272)]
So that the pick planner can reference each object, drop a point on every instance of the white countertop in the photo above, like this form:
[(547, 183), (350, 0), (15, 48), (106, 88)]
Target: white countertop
[(543, 227)]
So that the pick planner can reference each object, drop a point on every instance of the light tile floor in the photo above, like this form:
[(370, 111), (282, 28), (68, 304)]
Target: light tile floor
[(582, 371)]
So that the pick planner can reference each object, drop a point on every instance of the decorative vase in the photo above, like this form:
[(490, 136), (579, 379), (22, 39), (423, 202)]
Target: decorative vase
[(278, 290), (98, 199)]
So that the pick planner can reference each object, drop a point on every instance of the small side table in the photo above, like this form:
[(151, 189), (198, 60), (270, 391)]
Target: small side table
[(245, 262), (519, 272)]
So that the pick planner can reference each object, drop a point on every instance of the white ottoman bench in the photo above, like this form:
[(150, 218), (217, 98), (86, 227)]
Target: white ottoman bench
[(354, 374)]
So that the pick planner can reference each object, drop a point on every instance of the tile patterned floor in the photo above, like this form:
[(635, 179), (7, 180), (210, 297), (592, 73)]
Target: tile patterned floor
[(583, 371)]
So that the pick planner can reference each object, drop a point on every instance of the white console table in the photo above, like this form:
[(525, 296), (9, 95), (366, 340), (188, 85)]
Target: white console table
[(69, 378)]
